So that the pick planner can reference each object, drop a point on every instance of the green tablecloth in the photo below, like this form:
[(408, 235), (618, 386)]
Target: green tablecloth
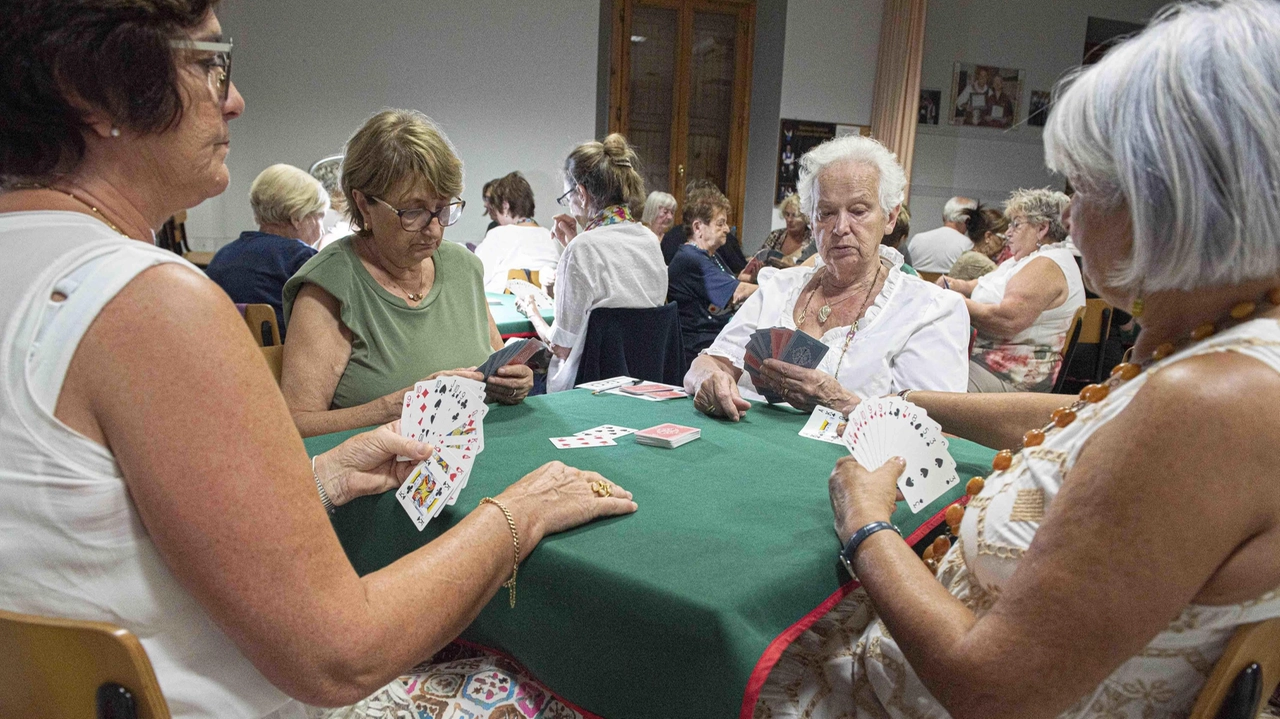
[(510, 321), (665, 612)]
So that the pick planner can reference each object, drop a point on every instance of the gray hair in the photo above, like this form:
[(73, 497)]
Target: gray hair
[(893, 181), (654, 202), (1182, 123), (954, 210), (283, 193), (1040, 206)]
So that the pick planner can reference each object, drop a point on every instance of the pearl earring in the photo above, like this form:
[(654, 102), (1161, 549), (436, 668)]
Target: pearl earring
[(115, 132)]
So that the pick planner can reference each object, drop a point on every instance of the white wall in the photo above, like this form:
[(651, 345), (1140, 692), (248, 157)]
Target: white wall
[(512, 83), (1044, 39)]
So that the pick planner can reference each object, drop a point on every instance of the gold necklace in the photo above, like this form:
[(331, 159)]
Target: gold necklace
[(824, 312), (95, 210), (1093, 394), (413, 296)]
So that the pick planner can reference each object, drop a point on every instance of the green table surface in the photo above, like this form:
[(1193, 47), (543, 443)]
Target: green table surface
[(510, 320), (665, 612)]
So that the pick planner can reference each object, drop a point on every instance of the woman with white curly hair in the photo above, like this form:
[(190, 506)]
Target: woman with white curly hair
[(885, 330), (1101, 570)]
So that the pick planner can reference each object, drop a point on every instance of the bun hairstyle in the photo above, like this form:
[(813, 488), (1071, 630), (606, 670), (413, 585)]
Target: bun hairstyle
[(982, 219), (609, 171)]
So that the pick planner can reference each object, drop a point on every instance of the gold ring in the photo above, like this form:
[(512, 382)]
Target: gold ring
[(602, 488)]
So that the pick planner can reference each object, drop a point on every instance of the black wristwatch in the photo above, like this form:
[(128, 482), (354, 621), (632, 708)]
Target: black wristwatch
[(860, 536)]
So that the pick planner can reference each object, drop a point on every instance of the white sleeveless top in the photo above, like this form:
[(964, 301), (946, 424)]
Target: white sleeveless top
[(71, 541)]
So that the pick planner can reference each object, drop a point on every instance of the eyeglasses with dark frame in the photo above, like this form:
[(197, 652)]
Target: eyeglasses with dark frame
[(563, 200), (217, 67), (416, 220)]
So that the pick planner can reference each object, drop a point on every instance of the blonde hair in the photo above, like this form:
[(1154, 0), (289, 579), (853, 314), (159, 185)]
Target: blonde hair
[(398, 149), (791, 201), (609, 171), (283, 193), (657, 201)]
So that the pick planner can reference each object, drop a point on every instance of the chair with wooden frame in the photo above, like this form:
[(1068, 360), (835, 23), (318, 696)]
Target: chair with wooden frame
[(1090, 326), (70, 668), (530, 276), (274, 355), (262, 324), (1244, 677), (930, 277)]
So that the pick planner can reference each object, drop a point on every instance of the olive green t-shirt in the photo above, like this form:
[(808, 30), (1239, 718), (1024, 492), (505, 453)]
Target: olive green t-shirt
[(394, 345)]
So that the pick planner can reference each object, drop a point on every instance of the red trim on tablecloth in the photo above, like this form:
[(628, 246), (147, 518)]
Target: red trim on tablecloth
[(519, 334), (525, 670), (773, 652)]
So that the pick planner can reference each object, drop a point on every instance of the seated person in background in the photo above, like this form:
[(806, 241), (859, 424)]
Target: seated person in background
[(659, 213), (901, 229), (937, 250), (517, 243), (986, 228), (1073, 590), (209, 543), (794, 242), (730, 253), (613, 262), (1023, 309), (394, 303), (288, 205), (886, 331), (705, 290)]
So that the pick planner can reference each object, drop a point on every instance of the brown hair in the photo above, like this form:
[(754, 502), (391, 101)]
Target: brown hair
[(610, 172), (397, 149), (982, 220), (112, 55), (901, 228), (703, 205), (515, 191)]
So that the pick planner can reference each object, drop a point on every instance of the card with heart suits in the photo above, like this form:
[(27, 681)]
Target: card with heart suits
[(448, 414), (886, 427)]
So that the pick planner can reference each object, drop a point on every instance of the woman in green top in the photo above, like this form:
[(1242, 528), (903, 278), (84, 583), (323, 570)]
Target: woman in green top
[(393, 304)]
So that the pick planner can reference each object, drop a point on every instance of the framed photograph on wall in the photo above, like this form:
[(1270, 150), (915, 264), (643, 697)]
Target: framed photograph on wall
[(984, 95), (795, 138), (930, 107), (1038, 110)]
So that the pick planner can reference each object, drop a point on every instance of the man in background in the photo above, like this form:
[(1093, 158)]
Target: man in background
[(937, 250)]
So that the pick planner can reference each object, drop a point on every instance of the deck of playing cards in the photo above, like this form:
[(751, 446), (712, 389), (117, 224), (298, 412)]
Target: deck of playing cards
[(604, 385), (667, 435), (652, 391), (780, 343), (447, 413), (529, 352), (886, 427)]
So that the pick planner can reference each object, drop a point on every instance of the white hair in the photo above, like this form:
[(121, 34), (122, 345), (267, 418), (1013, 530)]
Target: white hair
[(283, 193), (654, 202), (954, 210), (1182, 124), (893, 181)]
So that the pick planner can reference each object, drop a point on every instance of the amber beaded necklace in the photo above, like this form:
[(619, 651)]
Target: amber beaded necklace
[(1093, 394)]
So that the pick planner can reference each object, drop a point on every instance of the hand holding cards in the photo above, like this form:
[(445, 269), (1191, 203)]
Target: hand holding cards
[(782, 344), (883, 428), (447, 413), (529, 352)]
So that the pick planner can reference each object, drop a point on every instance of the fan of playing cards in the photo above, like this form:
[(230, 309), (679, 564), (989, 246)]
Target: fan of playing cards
[(887, 427), (525, 351), (780, 343), (447, 413)]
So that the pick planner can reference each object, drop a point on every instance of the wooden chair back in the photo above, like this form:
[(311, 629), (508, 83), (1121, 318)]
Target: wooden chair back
[(55, 667), (1245, 675), (262, 324), (530, 276), (929, 277), (1096, 323), (274, 355)]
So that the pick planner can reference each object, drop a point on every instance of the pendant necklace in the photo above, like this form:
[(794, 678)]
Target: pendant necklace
[(824, 312), (413, 296)]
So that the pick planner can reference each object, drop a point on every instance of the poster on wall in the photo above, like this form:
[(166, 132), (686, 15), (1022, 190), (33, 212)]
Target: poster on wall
[(797, 137), (930, 107), (984, 95), (1038, 111)]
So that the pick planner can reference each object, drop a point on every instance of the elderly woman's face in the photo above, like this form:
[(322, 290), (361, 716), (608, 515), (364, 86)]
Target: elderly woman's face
[(849, 222), (1024, 235), (665, 217), (405, 246), (795, 220)]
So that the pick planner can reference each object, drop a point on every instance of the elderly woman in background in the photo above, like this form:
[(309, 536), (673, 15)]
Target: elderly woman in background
[(289, 206), (210, 543), (394, 303), (517, 243), (986, 227), (1073, 590), (704, 289), (612, 262), (886, 332), (1023, 310), (659, 212)]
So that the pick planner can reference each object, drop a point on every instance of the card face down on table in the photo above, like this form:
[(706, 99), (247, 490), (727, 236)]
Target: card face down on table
[(447, 413)]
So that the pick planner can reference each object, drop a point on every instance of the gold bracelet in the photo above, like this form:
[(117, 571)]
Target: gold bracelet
[(510, 584)]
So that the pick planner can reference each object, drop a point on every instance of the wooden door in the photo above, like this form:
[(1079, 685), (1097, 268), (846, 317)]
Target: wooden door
[(680, 90)]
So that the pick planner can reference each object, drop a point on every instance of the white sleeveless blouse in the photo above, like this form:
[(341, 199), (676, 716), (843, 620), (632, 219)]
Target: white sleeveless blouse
[(872, 678), (71, 541)]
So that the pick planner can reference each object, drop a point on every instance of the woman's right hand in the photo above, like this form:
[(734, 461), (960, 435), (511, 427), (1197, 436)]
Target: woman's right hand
[(564, 228), (556, 497), (718, 397)]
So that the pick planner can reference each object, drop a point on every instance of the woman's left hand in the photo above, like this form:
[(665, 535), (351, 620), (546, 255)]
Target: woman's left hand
[(366, 463), (510, 384), (804, 388), (860, 496)]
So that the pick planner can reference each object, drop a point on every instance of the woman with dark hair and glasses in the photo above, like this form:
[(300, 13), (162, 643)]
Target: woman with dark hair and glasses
[(150, 475), (394, 303)]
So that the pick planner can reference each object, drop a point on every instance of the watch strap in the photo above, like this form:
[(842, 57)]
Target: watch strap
[(851, 547)]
